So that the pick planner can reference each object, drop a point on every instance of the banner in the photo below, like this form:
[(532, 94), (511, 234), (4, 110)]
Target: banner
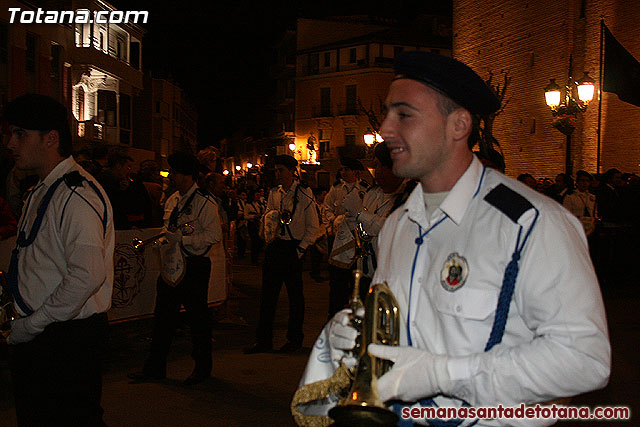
[(621, 73), (136, 274)]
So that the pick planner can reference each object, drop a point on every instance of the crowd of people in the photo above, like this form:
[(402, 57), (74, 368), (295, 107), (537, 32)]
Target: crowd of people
[(498, 299)]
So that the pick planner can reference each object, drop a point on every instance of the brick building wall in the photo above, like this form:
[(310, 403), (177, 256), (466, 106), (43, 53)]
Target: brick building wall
[(532, 41)]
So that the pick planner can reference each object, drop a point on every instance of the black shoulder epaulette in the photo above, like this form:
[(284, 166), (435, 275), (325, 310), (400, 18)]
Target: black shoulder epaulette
[(364, 184), (508, 202), (202, 192), (73, 179)]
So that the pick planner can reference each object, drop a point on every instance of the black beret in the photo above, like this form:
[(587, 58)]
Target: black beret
[(351, 163), (287, 161), (37, 112), (450, 77), (184, 163)]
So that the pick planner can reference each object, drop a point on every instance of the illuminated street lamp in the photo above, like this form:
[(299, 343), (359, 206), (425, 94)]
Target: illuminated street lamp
[(566, 111), (238, 167), (369, 139), (225, 172), (249, 165), (292, 146)]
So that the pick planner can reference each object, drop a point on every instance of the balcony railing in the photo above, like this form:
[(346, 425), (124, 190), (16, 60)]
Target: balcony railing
[(321, 111), (349, 109)]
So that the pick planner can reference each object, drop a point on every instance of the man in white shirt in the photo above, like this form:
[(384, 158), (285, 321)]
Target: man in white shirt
[(195, 207), (61, 273), (498, 299), (283, 256), (581, 203), (340, 276)]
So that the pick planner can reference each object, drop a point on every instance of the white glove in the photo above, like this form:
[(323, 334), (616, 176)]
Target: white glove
[(353, 203), (173, 237), (416, 373), (19, 333), (342, 338)]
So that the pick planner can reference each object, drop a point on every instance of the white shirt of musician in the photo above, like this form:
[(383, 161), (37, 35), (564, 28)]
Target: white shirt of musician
[(304, 223), (335, 198), (67, 273), (202, 215), (556, 341)]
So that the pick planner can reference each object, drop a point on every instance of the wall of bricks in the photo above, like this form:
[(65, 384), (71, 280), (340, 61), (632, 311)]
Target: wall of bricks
[(532, 41)]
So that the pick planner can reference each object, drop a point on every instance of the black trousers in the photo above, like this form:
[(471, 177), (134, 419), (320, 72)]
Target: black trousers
[(191, 292), (281, 265), (256, 241), (57, 376)]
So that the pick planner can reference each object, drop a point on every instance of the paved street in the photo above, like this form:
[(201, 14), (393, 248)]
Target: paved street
[(257, 389)]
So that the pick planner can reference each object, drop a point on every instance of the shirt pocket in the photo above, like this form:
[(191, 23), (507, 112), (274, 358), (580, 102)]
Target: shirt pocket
[(467, 303)]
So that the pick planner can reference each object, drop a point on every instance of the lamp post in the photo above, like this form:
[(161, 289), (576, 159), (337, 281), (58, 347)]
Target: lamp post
[(566, 112)]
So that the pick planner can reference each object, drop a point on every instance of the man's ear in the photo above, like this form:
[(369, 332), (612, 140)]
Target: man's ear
[(460, 123), (52, 139)]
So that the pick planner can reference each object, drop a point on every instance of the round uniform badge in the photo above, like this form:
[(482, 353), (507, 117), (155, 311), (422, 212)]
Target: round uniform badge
[(454, 272)]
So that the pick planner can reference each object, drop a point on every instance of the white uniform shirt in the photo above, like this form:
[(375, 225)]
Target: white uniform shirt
[(202, 215), (67, 272), (555, 342), (579, 204), (335, 198), (304, 223)]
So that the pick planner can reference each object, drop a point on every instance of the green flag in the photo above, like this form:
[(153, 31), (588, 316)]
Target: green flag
[(621, 70)]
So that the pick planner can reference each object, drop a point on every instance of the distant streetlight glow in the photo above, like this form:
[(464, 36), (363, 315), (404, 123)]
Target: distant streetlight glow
[(225, 172), (292, 146), (238, 167), (249, 165)]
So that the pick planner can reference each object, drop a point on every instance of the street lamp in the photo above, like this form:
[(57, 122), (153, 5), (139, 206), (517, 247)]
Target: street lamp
[(369, 139), (566, 112), (292, 146)]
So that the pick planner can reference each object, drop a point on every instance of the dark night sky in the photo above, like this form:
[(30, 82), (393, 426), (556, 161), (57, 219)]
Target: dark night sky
[(219, 51)]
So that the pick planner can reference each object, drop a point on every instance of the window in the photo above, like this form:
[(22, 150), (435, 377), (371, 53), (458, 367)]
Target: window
[(107, 107), (352, 55), (32, 43), (55, 60), (4, 42), (80, 104), (135, 55), (125, 111), (327, 59), (314, 63), (352, 99), (349, 136), (325, 101)]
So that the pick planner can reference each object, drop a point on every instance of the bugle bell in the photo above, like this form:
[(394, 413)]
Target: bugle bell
[(139, 245), (362, 405), (285, 217)]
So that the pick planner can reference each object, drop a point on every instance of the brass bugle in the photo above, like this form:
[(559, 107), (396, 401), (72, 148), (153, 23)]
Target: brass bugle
[(362, 405), (139, 245), (285, 217)]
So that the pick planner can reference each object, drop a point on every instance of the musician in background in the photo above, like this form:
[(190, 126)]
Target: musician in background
[(340, 279), (283, 256), (498, 300), (61, 273), (195, 207), (389, 193)]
